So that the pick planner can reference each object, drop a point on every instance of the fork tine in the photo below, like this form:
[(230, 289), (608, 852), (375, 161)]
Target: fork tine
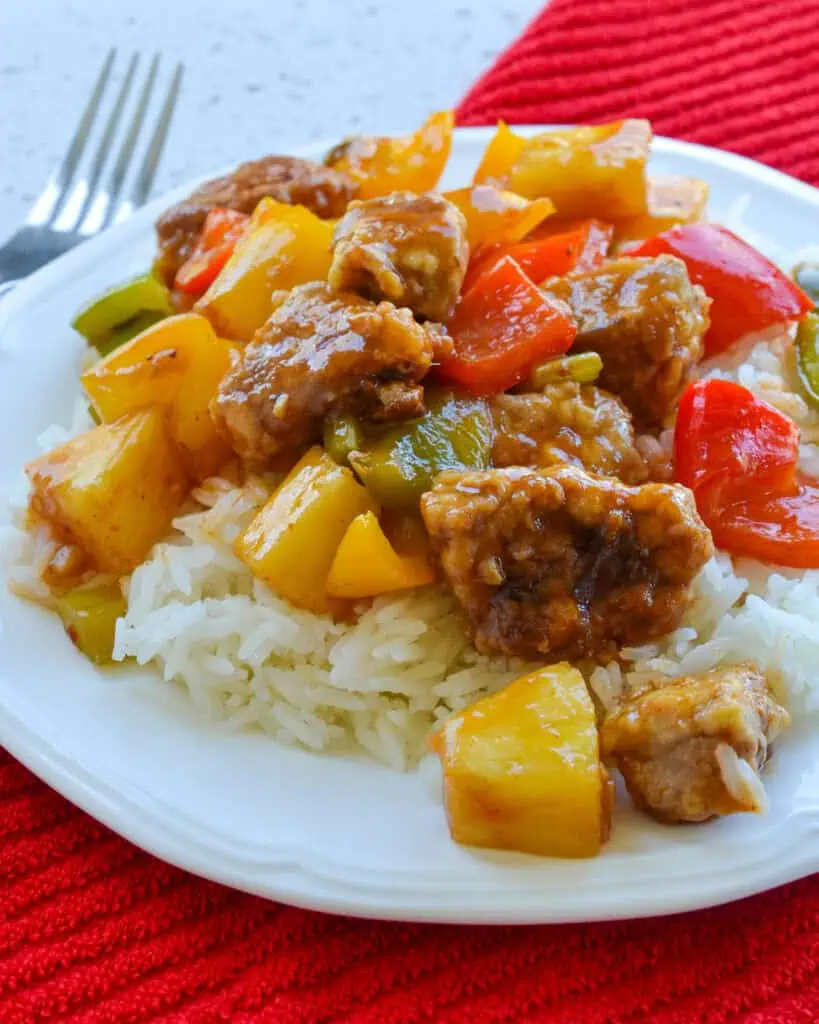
[(65, 172), (107, 138), (129, 143), (145, 177)]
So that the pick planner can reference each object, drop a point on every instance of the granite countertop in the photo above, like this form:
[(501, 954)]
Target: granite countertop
[(259, 76)]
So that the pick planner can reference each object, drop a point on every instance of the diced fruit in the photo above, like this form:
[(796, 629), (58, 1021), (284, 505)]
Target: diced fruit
[(671, 201), (366, 564), (90, 615), (522, 768), (283, 246), (292, 542), (113, 491), (176, 364)]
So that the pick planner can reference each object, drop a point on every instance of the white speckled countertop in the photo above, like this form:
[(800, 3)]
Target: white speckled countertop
[(260, 75)]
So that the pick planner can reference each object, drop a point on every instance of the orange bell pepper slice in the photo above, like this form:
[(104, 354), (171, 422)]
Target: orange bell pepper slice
[(583, 247), (413, 162), (502, 326), (495, 216)]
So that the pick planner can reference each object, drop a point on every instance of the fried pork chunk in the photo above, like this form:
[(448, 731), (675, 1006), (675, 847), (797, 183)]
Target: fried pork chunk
[(563, 564), (577, 424), (322, 353), (647, 321), (285, 178), (406, 248), (694, 748)]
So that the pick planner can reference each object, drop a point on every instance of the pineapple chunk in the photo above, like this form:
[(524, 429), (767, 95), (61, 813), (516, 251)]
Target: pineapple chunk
[(366, 564), (522, 768), (283, 246), (113, 491), (590, 171), (293, 539), (176, 364)]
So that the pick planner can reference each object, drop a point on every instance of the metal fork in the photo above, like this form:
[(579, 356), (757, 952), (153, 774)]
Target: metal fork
[(76, 203)]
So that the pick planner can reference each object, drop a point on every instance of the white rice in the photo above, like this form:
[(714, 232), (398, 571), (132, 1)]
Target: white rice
[(249, 660)]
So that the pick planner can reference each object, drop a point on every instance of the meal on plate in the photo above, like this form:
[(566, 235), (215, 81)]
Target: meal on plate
[(523, 473)]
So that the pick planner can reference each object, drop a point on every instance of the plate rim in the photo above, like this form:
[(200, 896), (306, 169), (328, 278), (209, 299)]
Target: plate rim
[(285, 875)]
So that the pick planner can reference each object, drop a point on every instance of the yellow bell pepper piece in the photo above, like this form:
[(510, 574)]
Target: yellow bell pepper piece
[(292, 541), (522, 768), (282, 247), (413, 162), (499, 156), (495, 216), (112, 491), (176, 364), (366, 564), (671, 200), (589, 171)]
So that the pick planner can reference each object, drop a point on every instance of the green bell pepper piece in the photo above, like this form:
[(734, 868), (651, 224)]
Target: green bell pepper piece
[(807, 357), (584, 367), (89, 615), (399, 465), (96, 321), (342, 437)]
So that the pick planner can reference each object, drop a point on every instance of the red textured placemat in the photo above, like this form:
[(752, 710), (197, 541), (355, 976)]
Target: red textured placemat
[(93, 931)]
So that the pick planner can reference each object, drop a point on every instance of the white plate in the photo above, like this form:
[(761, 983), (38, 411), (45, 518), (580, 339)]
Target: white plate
[(332, 833)]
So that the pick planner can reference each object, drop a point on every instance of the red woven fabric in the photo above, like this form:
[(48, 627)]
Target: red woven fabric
[(94, 932)]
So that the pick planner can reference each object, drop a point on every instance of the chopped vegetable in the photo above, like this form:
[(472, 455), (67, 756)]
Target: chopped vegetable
[(90, 615), (522, 768), (807, 357), (292, 541), (221, 231), (582, 247), (382, 165), (283, 246), (749, 292), (499, 156), (502, 327), (176, 364), (342, 436), (806, 276), (583, 368), (398, 466), (121, 335), (589, 171), (112, 491), (118, 307), (739, 456), (495, 216), (671, 201), (725, 433), (778, 528), (366, 564)]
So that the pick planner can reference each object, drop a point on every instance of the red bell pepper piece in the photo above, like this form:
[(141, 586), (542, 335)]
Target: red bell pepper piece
[(739, 456), (221, 231), (749, 292), (584, 247), (779, 528), (501, 327), (725, 433)]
